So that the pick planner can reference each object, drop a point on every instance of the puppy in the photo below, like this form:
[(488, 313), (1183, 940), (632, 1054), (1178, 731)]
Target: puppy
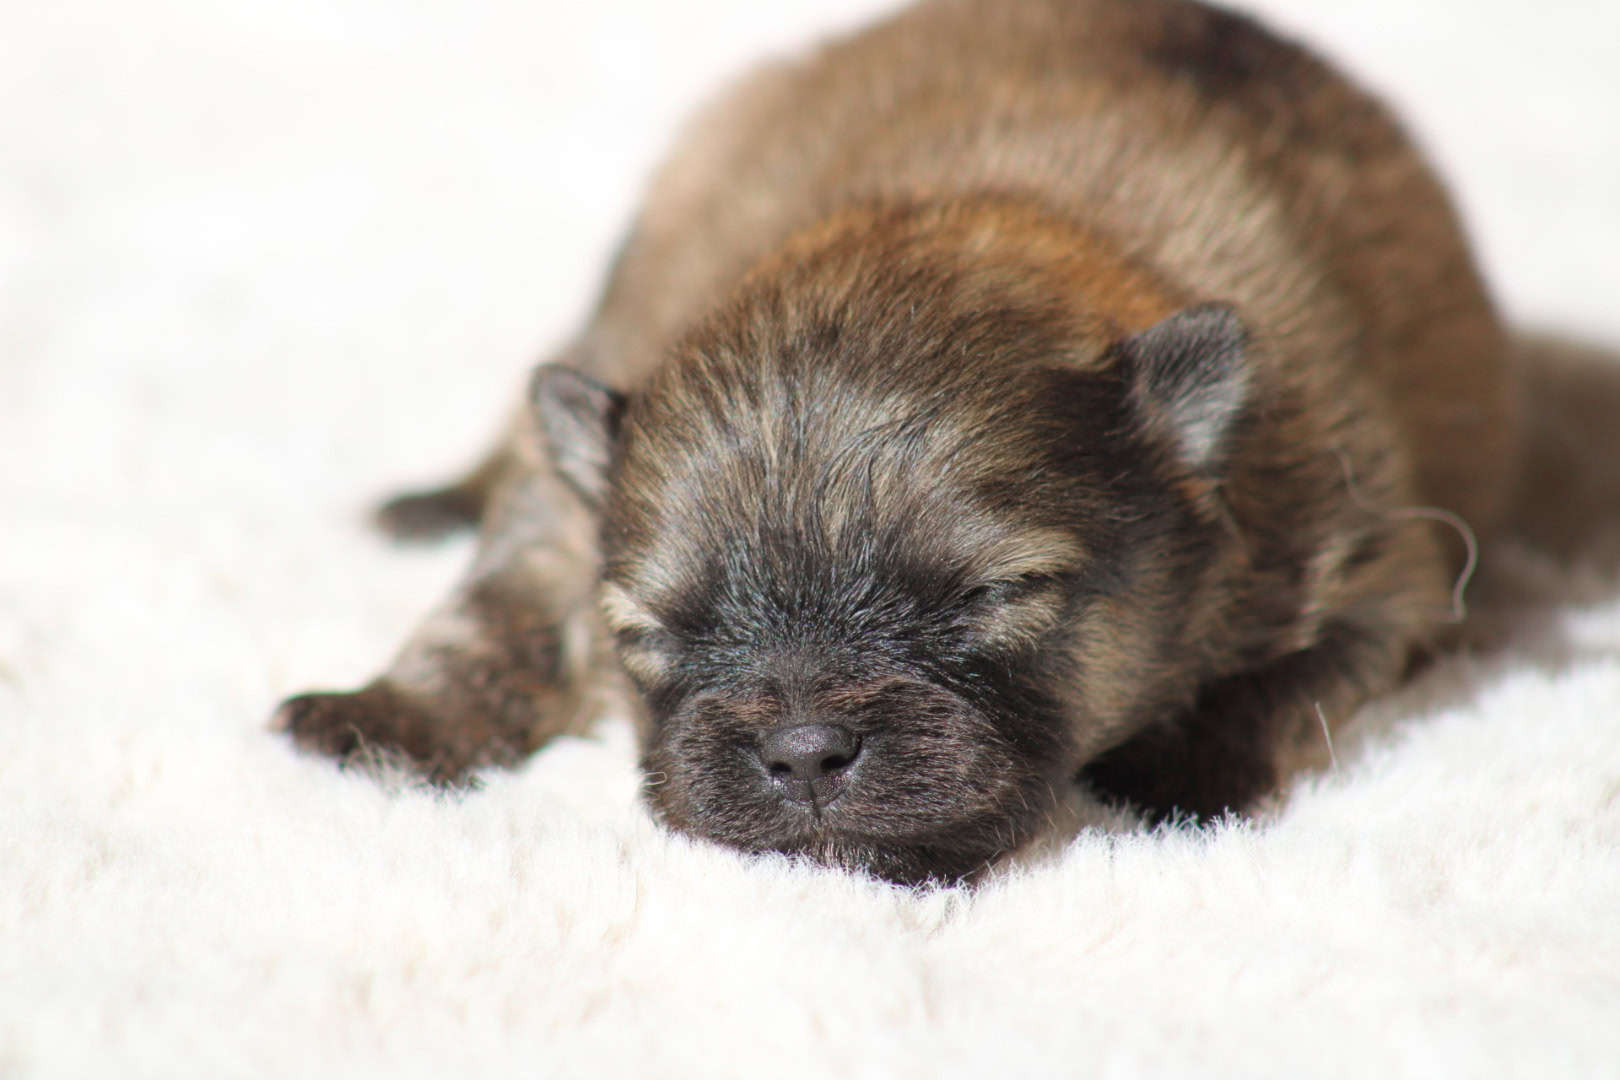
[(1004, 395)]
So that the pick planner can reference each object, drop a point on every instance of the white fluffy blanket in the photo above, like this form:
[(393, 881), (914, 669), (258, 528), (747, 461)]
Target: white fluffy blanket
[(263, 260)]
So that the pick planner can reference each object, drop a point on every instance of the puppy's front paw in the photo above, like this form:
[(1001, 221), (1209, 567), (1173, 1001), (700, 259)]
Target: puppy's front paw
[(376, 724)]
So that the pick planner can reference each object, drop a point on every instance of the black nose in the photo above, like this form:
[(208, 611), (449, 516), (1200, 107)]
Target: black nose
[(810, 759)]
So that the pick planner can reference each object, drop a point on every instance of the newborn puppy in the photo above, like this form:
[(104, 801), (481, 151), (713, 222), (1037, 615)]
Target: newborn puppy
[(1005, 395)]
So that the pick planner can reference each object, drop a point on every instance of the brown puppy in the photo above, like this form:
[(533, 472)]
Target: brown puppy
[(1005, 394)]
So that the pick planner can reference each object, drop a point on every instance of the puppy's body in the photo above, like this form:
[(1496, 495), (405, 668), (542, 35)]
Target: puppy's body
[(1009, 391)]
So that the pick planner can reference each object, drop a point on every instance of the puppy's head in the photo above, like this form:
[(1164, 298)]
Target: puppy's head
[(887, 573)]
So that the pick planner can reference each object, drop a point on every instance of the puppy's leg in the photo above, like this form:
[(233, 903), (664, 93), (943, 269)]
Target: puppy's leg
[(433, 513), (502, 666), (1249, 733)]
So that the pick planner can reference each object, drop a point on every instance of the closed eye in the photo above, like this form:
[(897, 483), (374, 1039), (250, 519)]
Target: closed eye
[(1014, 612), (1014, 590)]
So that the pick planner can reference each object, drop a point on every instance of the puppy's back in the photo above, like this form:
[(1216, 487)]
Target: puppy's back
[(1232, 164)]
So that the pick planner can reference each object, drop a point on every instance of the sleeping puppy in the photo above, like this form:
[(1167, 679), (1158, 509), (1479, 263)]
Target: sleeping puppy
[(1004, 395)]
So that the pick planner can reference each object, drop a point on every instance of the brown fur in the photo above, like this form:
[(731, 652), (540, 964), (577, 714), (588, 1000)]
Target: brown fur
[(907, 433)]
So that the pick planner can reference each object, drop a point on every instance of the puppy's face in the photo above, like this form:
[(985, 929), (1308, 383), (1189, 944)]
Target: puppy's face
[(878, 692), (880, 602)]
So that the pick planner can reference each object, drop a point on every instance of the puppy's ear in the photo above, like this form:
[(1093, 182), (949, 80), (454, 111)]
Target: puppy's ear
[(579, 419), (1188, 378)]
